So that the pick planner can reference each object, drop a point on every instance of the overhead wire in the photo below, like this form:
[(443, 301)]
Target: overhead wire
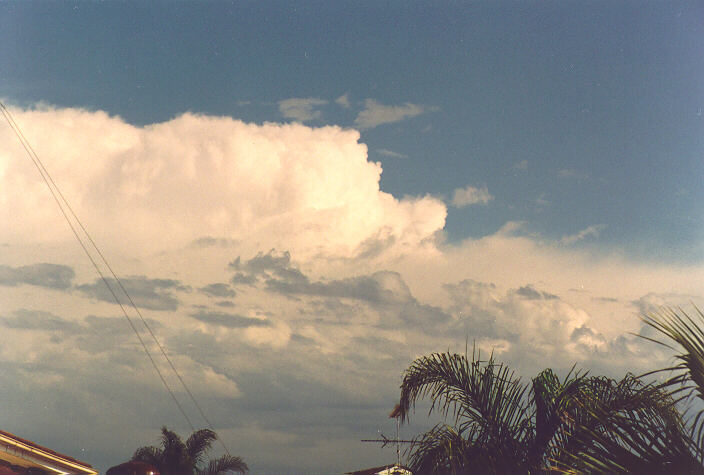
[(61, 201)]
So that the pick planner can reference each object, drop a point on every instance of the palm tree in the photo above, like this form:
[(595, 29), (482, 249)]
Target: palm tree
[(685, 334), (494, 423), (175, 457)]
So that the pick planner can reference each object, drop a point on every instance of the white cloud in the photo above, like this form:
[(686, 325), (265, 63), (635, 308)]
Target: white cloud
[(343, 101), (471, 195), (591, 231), (164, 186), (375, 114), (301, 109)]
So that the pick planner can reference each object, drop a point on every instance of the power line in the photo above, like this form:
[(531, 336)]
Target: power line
[(61, 201)]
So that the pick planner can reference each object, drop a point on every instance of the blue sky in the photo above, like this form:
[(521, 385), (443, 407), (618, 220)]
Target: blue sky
[(527, 145)]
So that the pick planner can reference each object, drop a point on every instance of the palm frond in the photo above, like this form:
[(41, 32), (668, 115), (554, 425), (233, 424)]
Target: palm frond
[(199, 443), (441, 450), (226, 463), (626, 426), (488, 403), (552, 400), (685, 335), (480, 392), (179, 458)]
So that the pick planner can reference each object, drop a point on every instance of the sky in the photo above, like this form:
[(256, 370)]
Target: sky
[(301, 198)]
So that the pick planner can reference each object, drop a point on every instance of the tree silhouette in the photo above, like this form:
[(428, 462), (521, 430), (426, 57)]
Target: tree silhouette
[(175, 457), (494, 423)]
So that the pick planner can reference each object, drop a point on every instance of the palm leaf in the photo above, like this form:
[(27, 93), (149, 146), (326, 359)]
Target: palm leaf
[(199, 443), (626, 426), (487, 400), (440, 450), (686, 337), (226, 463), (179, 458)]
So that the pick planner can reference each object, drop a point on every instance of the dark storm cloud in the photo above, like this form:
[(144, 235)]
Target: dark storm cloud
[(51, 276), (153, 294), (229, 320), (530, 293), (218, 290)]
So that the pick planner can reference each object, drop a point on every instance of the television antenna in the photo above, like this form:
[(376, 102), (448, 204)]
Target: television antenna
[(384, 441)]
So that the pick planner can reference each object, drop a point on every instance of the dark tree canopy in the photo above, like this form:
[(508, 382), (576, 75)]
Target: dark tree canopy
[(176, 457), (495, 423)]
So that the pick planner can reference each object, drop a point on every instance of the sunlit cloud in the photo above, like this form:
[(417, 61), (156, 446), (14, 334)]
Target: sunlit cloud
[(590, 231), (301, 109), (343, 101), (206, 182), (375, 113), (471, 195)]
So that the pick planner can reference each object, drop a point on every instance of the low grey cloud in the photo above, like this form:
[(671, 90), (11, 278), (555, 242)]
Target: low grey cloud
[(152, 294), (269, 265), (301, 109), (208, 241), (225, 303), (605, 299), (218, 290), (229, 320), (92, 334), (244, 279), (24, 319), (51, 276), (530, 293), (383, 291), (375, 114)]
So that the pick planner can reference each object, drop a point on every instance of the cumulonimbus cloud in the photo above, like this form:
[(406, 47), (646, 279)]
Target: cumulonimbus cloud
[(163, 186)]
